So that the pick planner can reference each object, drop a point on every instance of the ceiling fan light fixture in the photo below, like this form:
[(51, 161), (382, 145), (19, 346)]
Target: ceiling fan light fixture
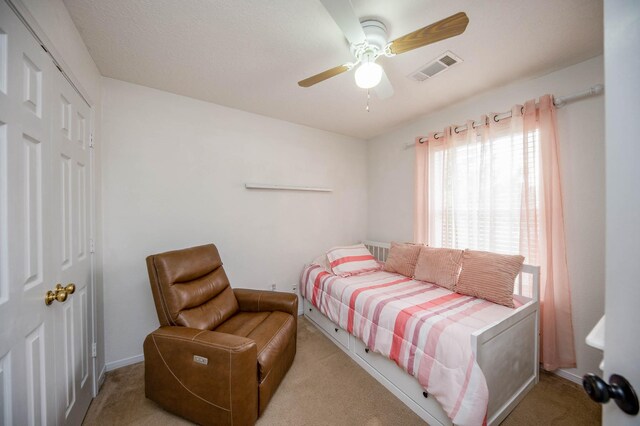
[(368, 40), (368, 75)]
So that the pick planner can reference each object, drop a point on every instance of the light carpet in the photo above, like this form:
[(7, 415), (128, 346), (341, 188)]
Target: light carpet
[(326, 387)]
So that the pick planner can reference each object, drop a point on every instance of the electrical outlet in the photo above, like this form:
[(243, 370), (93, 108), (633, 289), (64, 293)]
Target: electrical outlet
[(273, 286)]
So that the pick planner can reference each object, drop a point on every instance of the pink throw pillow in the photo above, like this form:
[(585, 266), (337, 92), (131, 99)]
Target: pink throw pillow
[(439, 266), (489, 276), (402, 258)]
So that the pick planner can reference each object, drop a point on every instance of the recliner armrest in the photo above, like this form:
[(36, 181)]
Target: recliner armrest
[(211, 340), (262, 300), (205, 376)]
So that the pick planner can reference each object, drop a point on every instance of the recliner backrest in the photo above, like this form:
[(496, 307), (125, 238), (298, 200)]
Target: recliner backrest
[(190, 288)]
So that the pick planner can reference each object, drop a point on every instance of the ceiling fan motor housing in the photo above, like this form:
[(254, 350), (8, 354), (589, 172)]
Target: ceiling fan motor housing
[(376, 38)]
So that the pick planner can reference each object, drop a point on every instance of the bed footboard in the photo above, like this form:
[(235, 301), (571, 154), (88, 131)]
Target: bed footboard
[(507, 355)]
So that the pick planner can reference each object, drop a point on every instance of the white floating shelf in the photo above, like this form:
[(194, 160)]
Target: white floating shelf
[(595, 338), (285, 187)]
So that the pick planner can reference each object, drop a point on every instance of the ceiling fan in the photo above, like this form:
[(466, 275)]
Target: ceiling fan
[(368, 40)]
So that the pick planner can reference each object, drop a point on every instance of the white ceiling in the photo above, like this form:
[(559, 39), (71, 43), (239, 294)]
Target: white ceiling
[(251, 54)]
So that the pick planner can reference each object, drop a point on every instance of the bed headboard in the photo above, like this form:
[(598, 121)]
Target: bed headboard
[(528, 278), (379, 250)]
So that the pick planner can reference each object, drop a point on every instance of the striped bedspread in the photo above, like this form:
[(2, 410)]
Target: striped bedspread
[(424, 328)]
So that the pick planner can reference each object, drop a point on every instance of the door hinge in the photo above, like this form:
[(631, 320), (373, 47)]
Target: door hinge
[(94, 350), (91, 140), (92, 246)]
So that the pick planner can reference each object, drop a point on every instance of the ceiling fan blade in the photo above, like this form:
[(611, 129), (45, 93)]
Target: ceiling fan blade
[(384, 89), (342, 12), (307, 82), (446, 28)]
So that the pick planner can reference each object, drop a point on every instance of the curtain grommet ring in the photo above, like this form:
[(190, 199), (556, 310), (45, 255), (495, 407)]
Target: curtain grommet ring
[(495, 118), (455, 130)]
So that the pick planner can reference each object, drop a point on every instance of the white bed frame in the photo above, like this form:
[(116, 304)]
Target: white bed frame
[(506, 351)]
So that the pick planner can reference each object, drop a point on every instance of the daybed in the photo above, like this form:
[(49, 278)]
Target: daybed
[(483, 342)]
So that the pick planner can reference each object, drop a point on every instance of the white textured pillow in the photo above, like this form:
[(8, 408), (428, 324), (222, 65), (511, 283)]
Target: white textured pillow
[(352, 260), (323, 262)]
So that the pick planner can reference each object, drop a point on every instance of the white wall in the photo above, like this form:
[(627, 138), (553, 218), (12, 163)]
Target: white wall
[(54, 19), (174, 174), (581, 136)]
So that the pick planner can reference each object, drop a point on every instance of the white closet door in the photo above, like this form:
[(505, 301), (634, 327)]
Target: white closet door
[(45, 368), (70, 143), (27, 364)]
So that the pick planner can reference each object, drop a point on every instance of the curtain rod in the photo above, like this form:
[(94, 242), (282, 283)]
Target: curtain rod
[(558, 102)]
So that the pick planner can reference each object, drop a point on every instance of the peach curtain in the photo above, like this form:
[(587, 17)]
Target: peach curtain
[(421, 195), (557, 342), (502, 178)]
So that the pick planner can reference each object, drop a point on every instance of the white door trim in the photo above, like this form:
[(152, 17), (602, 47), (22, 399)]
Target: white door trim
[(32, 25)]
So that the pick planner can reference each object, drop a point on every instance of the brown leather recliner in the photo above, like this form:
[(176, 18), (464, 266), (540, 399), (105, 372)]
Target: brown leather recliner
[(220, 353)]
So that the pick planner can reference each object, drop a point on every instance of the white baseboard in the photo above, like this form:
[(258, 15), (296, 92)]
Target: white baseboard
[(569, 376), (110, 366)]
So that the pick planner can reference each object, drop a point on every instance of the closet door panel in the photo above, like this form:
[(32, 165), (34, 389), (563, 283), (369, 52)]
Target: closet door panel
[(27, 364)]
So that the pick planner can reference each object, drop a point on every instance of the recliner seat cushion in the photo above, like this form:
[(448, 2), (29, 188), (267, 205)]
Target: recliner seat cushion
[(272, 332), (242, 323)]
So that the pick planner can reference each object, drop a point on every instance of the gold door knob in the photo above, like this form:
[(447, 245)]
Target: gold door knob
[(60, 293), (49, 297)]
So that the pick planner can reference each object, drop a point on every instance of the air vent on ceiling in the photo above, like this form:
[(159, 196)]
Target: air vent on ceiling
[(435, 67)]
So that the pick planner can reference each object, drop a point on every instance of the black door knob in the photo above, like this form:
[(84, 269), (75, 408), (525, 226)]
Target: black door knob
[(620, 390)]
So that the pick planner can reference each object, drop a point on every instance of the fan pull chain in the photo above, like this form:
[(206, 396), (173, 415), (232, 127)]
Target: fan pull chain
[(368, 98)]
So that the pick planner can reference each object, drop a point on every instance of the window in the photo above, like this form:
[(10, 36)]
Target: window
[(497, 188), (476, 186)]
